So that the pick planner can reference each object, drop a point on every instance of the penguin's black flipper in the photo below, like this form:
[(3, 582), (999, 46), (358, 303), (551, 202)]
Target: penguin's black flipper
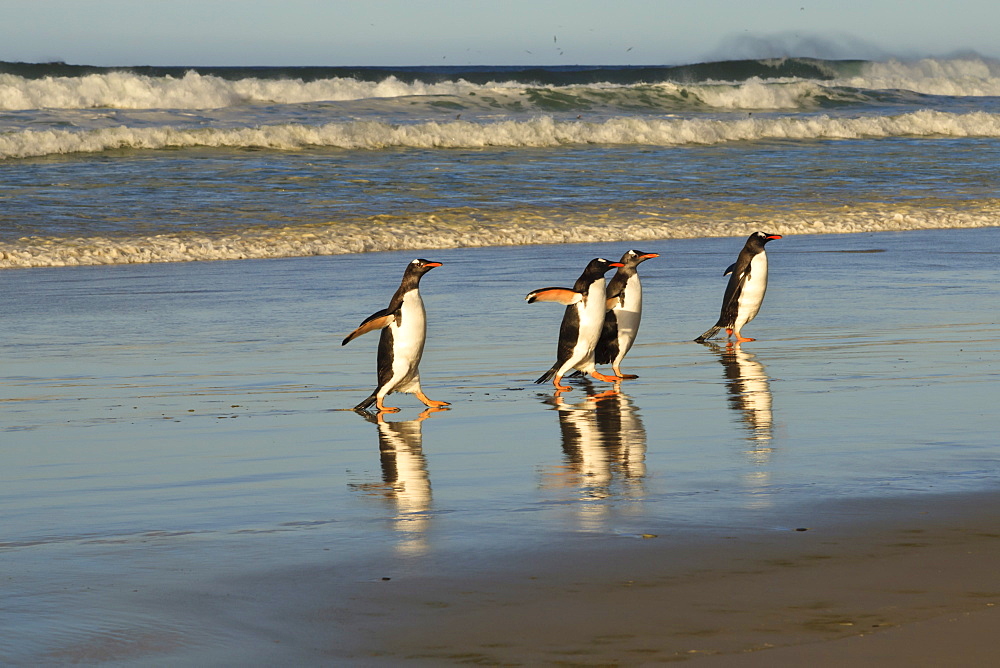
[(712, 331), (377, 320)]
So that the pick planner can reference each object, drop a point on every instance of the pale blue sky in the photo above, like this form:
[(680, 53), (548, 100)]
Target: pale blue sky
[(501, 32)]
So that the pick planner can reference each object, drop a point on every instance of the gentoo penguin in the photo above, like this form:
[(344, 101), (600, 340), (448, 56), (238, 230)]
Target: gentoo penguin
[(621, 322), (581, 324), (745, 290), (404, 329)]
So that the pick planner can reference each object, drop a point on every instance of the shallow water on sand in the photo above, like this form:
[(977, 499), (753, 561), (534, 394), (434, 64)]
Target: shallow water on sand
[(168, 423)]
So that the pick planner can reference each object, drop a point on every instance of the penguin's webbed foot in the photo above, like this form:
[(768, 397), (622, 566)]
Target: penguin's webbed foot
[(427, 401), (607, 379), (557, 381), (382, 408)]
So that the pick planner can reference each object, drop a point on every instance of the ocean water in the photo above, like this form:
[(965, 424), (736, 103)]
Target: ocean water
[(174, 433), (127, 165)]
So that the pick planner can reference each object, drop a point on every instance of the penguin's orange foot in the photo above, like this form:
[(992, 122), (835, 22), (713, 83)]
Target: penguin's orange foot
[(557, 381), (427, 401), (607, 379), (741, 339), (382, 408), (624, 376)]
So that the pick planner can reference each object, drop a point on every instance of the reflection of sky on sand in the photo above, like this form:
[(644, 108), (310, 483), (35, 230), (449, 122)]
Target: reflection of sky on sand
[(604, 449), (749, 392), (405, 480)]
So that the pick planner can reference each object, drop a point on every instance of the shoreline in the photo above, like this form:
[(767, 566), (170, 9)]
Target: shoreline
[(181, 487)]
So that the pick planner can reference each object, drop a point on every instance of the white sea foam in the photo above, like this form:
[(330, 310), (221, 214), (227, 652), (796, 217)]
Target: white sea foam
[(759, 94), (129, 90), (386, 233), (971, 77), (125, 90), (537, 132)]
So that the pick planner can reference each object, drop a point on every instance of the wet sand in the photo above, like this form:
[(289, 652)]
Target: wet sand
[(182, 485), (905, 584)]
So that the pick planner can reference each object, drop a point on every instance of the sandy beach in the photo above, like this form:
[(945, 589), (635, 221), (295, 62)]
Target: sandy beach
[(184, 485)]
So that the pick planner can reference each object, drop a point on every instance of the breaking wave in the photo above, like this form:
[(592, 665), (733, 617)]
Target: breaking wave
[(465, 230), (754, 84), (536, 132)]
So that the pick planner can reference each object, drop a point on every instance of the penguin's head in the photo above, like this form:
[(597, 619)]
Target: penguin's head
[(422, 266), (599, 266), (634, 257), (758, 239), (764, 237), (416, 269)]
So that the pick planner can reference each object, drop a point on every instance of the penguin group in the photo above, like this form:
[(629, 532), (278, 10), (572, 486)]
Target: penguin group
[(599, 325)]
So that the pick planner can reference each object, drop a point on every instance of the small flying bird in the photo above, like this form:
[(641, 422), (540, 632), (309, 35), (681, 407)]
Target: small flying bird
[(586, 303), (401, 344), (621, 322), (745, 290)]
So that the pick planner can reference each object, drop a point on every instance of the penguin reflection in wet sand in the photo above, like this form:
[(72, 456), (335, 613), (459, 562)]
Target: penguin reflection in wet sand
[(621, 322), (404, 329), (581, 324), (745, 291)]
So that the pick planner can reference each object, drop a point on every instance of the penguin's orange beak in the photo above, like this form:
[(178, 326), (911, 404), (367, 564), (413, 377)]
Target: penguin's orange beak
[(433, 264), (773, 236), (650, 255), (615, 264)]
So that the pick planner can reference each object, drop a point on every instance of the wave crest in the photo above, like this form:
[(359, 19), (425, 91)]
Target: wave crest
[(125, 90), (538, 132), (783, 84), (466, 229)]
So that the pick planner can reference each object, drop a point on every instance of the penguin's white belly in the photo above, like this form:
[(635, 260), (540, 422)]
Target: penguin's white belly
[(628, 315), (753, 291), (591, 314), (408, 344)]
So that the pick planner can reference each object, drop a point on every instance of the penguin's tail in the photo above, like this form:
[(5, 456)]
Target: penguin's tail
[(712, 331), (547, 376), (366, 403)]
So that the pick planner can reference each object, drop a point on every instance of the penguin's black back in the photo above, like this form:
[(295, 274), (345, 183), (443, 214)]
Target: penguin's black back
[(385, 356), (569, 334), (607, 345)]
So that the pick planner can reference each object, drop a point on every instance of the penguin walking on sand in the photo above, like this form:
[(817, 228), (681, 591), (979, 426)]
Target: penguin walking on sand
[(621, 322), (401, 345), (745, 290), (586, 303)]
